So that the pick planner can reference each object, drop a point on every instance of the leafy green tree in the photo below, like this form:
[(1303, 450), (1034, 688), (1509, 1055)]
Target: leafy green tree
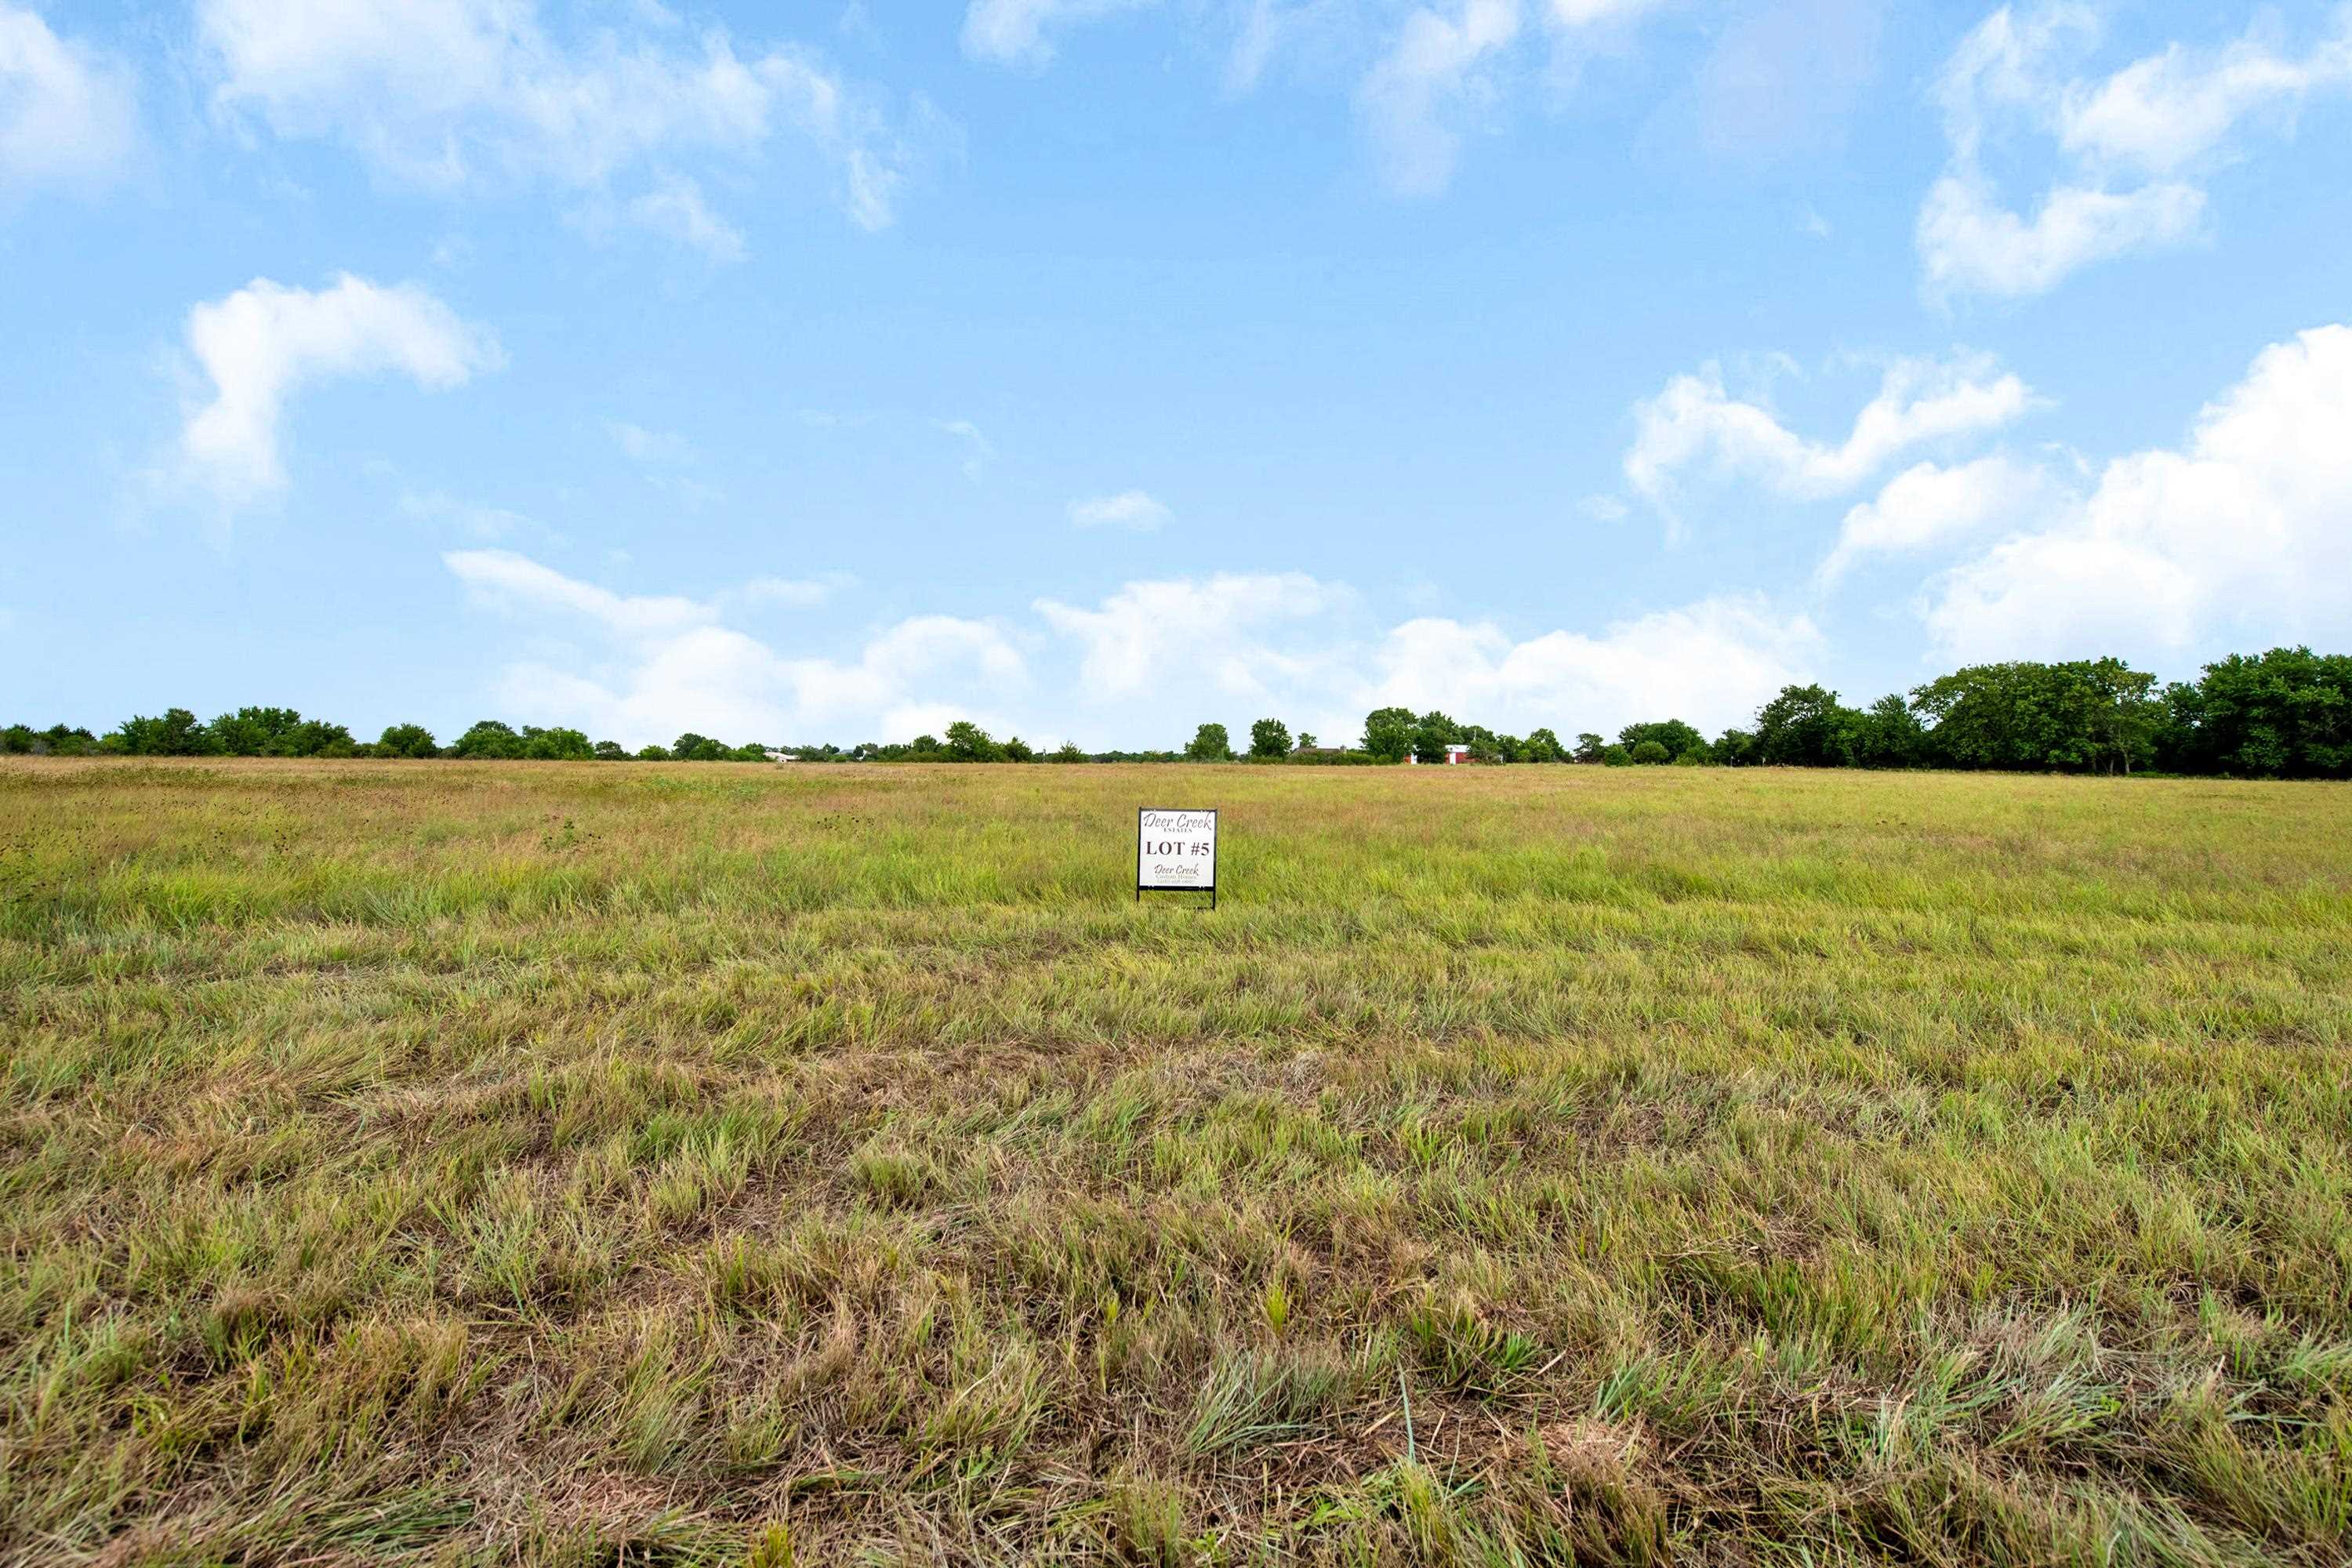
[(1017, 749), (175, 734), (1067, 751), (1269, 738), (1432, 733), (406, 740), (320, 739), (2089, 715), (555, 745), (1209, 744), (1736, 749), (924, 748), (19, 740), (1805, 727), (487, 740), (691, 747), (1675, 735), (968, 743), (1542, 746), (1388, 733), (1617, 757), (1591, 748), (1650, 753), (1888, 734), (2124, 713), (1485, 746), (259, 732), (1306, 741), (653, 753), (66, 741), (610, 752), (2286, 713)]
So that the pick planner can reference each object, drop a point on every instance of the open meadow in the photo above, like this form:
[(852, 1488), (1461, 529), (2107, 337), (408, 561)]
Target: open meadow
[(591, 1164)]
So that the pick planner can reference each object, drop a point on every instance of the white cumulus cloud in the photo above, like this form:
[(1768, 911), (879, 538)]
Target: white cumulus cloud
[(794, 593), (674, 208), (1432, 79), (1132, 510), (1016, 32), (1930, 504), (1586, 13), (1695, 423), (267, 341), (2244, 531), (658, 665), (443, 93), (2133, 143), (1141, 666), (1973, 243), (1710, 663), (1429, 73), (644, 446), (979, 450), (68, 112), (2169, 109), (1246, 634), (1292, 644), (506, 580)]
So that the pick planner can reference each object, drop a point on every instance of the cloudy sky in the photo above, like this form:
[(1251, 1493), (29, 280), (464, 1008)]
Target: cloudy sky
[(1094, 368)]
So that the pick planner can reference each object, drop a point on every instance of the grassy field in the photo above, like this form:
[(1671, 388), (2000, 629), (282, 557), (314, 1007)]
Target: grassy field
[(591, 1164)]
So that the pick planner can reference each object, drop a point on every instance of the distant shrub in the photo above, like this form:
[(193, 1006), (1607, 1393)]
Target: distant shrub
[(1675, 735), (1651, 754), (177, 733), (1334, 758), (1209, 744), (555, 745), (968, 743), (406, 740), (490, 740)]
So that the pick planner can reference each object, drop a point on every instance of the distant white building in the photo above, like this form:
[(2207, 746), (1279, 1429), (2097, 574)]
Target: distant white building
[(1454, 757)]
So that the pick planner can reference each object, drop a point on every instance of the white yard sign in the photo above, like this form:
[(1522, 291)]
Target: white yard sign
[(1176, 851)]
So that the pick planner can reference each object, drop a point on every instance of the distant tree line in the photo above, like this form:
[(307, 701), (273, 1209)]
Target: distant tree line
[(2286, 713)]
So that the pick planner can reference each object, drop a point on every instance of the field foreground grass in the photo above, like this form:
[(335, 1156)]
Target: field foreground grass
[(597, 1165)]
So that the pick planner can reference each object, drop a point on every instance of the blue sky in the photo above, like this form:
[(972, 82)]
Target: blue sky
[(1093, 368)]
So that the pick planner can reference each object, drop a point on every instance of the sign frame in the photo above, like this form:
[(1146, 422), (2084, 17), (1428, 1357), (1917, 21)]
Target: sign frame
[(1141, 887)]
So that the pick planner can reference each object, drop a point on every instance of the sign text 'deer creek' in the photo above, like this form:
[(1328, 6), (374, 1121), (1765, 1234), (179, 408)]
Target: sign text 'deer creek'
[(1175, 851)]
